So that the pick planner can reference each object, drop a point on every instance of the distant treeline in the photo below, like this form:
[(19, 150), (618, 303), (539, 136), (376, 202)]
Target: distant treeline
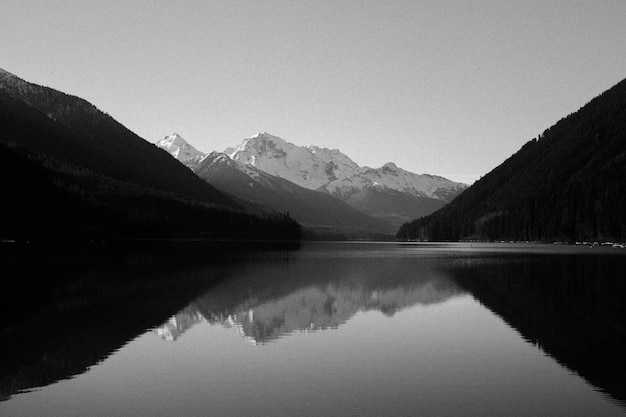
[(569, 184), (47, 199)]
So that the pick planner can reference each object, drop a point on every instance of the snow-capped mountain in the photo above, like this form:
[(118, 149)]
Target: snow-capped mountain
[(308, 166), (389, 176), (394, 194), (179, 148), (310, 208), (314, 167), (252, 171)]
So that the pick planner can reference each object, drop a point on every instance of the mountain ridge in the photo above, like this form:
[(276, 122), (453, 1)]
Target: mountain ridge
[(307, 166), (310, 208), (390, 194)]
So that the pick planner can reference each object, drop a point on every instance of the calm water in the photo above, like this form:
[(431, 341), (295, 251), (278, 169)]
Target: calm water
[(340, 329)]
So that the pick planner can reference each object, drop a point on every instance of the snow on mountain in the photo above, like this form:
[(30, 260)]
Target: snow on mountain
[(179, 148), (310, 208), (251, 172), (394, 195), (308, 166), (391, 177), (314, 168), (218, 160)]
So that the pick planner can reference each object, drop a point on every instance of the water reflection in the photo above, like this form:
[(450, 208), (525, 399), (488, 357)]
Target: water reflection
[(570, 306), (262, 318), (73, 306)]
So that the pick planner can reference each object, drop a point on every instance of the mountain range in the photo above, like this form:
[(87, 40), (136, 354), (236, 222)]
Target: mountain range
[(68, 169), (321, 188), (315, 210)]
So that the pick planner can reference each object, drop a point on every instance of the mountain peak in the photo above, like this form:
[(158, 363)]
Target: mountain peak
[(395, 178), (178, 147), (216, 156), (266, 136), (174, 138), (307, 166)]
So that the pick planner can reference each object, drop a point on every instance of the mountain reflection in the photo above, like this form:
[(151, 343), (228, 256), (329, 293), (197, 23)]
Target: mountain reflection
[(264, 319), (570, 306), (75, 305), (72, 315)]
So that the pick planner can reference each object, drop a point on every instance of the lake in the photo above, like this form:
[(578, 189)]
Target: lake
[(341, 329)]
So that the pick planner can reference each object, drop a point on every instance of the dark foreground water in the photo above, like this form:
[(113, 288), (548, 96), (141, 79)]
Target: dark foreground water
[(329, 329)]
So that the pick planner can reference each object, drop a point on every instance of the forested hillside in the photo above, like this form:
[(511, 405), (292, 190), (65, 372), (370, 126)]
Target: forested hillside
[(68, 170), (72, 130), (567, 184)]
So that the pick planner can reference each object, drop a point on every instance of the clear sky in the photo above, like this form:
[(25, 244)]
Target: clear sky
[(451, 88)]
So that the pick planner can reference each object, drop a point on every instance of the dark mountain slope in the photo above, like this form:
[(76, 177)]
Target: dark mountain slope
[(311, 208), (69, 129), (45, 199), (56, 183), (568, 184)]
